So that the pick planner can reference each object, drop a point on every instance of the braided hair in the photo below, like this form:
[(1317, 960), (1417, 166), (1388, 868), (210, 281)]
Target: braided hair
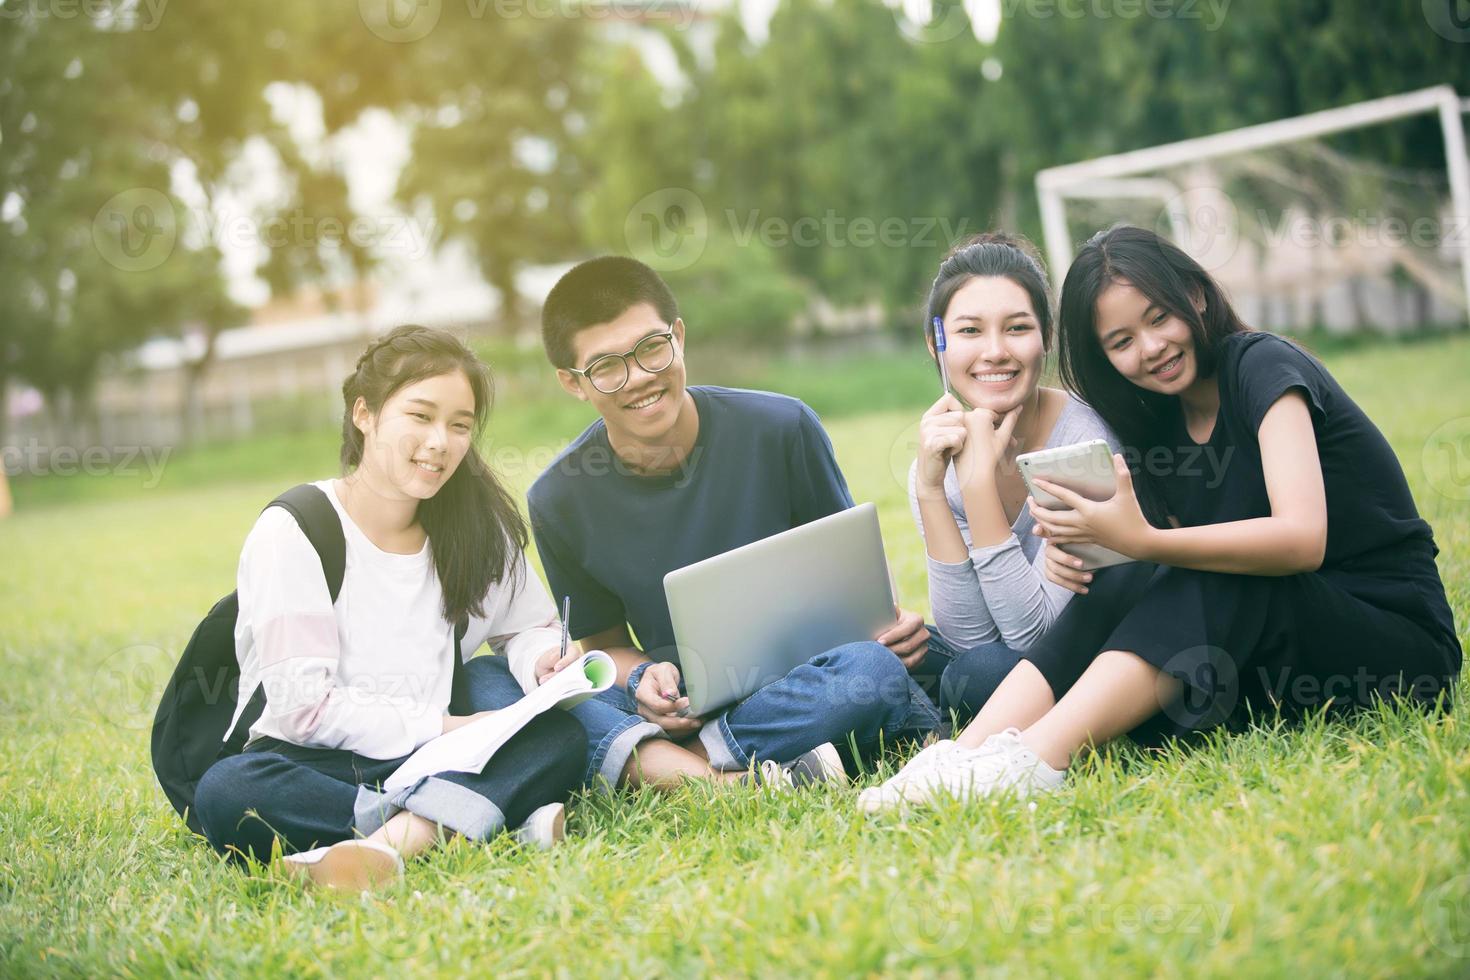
[(475, 530)]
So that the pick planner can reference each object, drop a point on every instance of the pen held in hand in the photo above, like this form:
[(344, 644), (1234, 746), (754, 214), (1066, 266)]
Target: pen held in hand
[(566, 616), (939, 345)]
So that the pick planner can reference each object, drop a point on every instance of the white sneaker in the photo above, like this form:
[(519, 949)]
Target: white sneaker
[(892, 792), (819, 765), (544, 828), (1002, 764), (358, 865), (773, 776)]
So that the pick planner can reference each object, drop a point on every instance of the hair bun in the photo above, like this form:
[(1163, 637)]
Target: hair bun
[(1006, 239)]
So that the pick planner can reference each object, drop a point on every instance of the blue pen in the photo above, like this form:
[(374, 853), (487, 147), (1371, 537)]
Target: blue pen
[(939, 353)]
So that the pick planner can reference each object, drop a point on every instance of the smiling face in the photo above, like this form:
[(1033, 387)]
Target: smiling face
[(995, 349), (1151, 347), (416, 441), (647, 409)]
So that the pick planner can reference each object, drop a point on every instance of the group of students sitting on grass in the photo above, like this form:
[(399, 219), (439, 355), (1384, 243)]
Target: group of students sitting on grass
[(1273, 536)]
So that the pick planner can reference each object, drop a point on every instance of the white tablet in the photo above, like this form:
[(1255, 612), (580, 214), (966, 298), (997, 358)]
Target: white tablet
[(1085, 468)]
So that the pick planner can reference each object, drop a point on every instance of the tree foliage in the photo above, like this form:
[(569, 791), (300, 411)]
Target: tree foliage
[(541, 138)]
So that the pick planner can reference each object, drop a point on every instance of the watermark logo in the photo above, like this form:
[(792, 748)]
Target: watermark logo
[(1446, 459), (136, 231), (668, 229), (126, 686), (1450, 19), (1211, 687), (1445, 916), (917, 21), (1203, 221), (903, 451), (400, 21), (933, 925)]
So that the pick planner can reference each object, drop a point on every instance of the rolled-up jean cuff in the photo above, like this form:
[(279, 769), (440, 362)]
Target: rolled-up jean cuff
[(923, 715), (450, 805), (723, 751), (620, 745)]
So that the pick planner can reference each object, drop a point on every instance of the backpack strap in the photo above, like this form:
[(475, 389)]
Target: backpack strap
[(323, 528), (318, 520), (459, 690)]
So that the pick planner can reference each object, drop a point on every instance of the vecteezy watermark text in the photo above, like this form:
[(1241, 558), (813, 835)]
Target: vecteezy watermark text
[(1113, 918), (669, 228), (138, 229), (1210, 12), (406, 21), (832, 230), (144, 15), (32, 458)]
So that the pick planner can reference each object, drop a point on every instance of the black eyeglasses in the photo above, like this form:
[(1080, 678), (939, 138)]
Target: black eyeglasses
[(609, 373)]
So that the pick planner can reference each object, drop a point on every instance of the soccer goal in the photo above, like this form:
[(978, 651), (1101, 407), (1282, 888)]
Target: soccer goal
[(1347, 219)]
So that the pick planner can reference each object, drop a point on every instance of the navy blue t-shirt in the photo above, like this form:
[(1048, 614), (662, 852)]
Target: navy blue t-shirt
[(761, 464)]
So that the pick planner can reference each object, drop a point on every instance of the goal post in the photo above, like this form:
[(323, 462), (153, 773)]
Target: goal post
[(1137, 174)]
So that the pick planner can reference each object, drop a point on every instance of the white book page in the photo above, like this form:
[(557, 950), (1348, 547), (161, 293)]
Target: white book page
[(470, 747)]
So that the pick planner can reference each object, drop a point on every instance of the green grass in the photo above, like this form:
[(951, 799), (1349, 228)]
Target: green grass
[(1330, 848)]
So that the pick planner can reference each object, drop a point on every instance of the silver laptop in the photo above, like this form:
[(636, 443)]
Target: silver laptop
[(745, 618)]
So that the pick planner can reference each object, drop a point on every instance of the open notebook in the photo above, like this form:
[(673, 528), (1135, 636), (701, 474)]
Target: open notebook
[(469, 748)]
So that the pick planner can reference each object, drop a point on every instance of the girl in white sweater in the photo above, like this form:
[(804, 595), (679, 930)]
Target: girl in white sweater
[(353, 687)]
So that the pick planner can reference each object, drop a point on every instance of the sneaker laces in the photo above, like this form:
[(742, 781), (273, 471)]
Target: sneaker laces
[(995, 751), (773, 776)]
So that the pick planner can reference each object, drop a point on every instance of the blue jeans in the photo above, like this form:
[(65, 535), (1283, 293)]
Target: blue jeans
[(308, 797), (960, 682), (859, 690)]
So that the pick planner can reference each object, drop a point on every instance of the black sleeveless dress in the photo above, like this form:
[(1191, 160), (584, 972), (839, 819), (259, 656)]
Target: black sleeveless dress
[(1372, 621)]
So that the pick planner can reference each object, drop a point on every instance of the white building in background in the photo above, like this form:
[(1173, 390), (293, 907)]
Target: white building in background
[(283, 370)]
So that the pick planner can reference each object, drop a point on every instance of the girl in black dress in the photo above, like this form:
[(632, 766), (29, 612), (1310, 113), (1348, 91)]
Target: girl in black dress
[(1280, 557)]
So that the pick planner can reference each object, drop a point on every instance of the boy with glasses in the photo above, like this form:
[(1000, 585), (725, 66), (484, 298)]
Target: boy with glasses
[(668, 476)]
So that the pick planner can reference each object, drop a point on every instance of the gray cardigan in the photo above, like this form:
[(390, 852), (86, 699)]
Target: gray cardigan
[(1001, 592)]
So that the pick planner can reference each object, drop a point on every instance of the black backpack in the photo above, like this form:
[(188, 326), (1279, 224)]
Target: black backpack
[(193, 719)]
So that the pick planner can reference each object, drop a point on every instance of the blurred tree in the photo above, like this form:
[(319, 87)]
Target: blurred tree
[(841, 154), (494, 99), (109, 123), (91, 261), (123, 134)]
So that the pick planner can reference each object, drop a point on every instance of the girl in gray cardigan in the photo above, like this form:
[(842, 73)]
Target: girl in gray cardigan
[(987, 584)]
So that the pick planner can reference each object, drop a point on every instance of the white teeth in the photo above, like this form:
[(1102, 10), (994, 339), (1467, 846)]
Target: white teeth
[(428, 466), (1167, 365), (1002, 376), (647, 401)]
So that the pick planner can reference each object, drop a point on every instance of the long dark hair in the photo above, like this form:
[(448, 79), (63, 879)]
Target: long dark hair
[(475, 530), (1175, 283), (994, 253)]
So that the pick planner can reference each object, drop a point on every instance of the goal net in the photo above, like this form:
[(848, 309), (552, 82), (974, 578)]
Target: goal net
[(1354, 219)]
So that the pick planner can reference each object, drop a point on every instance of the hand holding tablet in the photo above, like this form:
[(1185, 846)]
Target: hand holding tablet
[(1085, 469)]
